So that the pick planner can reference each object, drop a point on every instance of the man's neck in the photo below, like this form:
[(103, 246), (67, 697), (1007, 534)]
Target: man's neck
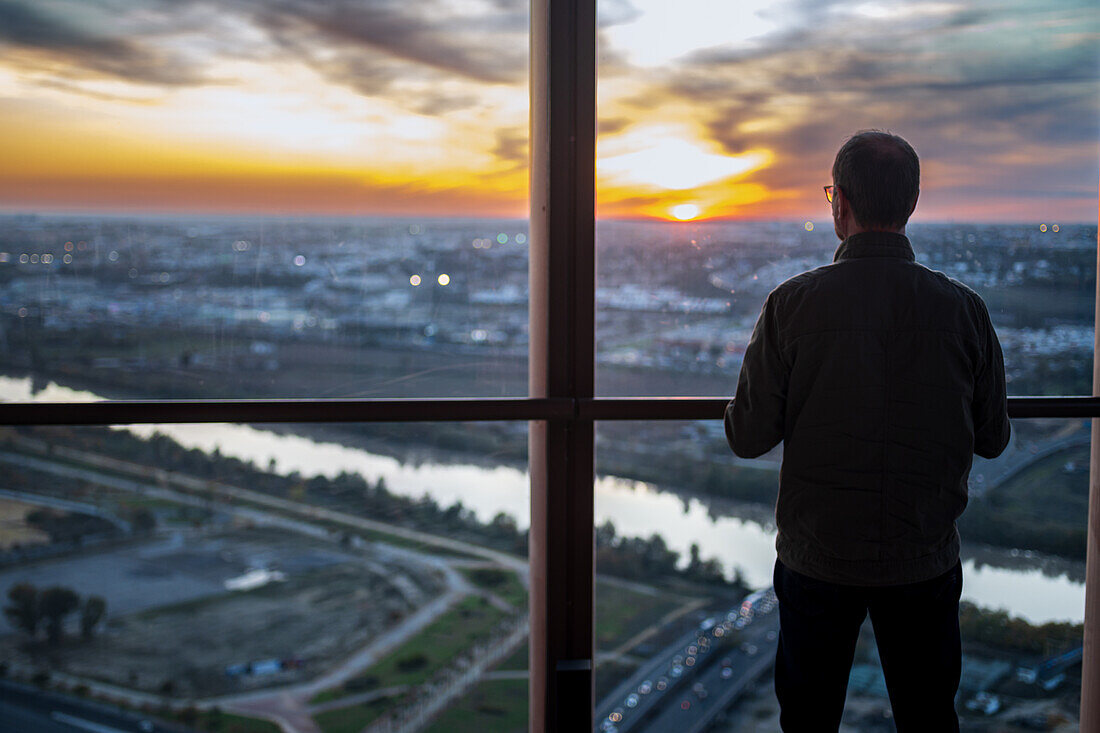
[(854, 228)]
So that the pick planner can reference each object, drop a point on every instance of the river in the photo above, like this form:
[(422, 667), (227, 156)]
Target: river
[(994, 579)]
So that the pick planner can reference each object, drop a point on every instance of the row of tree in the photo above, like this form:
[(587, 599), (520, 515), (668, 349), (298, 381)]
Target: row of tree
[(30, 609), (626, 557), (996, 628)]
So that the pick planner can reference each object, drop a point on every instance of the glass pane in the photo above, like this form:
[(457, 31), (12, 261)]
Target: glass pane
[(203, 574), (718, 127), (682, 544), (227, 199)]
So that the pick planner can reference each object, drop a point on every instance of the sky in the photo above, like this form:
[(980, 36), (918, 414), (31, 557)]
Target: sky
[(707, 108)]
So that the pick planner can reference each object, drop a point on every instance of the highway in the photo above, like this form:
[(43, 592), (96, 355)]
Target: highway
[(24, 709), (690, 682)]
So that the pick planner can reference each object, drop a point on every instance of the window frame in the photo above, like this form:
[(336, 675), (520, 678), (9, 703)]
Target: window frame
[(561, 404)]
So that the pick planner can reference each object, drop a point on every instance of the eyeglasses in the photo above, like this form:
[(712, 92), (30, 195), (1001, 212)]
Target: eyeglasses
[(830, 192)]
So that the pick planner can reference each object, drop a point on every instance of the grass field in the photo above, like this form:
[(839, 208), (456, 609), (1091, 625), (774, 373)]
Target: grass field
[(500, 582), (499, 706), (518, 660), (230, 723), (621, 613), (471, 621), (351, 719)]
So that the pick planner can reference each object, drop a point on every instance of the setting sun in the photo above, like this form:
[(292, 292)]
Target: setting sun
[(684, 212)]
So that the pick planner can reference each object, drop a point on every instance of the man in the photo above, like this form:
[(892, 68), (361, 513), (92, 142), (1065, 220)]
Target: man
[(882, 378)]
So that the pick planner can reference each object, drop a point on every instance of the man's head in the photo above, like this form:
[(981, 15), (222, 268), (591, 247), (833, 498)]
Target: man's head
[(877, 179)]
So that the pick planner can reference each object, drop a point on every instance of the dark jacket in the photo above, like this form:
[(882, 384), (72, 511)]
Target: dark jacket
[(882, 378)]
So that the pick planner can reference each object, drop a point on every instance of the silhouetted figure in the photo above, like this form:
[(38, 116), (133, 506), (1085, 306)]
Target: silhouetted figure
[(882, 378)]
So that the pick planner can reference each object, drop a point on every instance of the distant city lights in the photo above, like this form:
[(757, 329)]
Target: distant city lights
[(299, 261), (443, 279), (808, 226), (414, 281)]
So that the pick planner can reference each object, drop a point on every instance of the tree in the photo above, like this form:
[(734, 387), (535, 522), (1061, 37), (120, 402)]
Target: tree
[(24, 610), (91, 613), (56, 603), (694, 563)]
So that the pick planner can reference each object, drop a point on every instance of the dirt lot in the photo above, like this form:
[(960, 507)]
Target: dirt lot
[(14, 529), (331, 602)]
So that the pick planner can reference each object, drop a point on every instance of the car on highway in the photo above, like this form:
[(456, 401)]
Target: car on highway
[(631, 700), (646, 687)]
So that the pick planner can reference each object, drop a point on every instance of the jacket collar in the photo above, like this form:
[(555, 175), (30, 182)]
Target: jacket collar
[(874, 244)]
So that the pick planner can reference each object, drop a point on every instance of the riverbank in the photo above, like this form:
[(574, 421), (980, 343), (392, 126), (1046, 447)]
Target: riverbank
[(740, 535)]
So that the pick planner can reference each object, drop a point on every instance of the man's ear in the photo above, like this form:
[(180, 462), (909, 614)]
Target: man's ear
[(842, 206), (914, 206)]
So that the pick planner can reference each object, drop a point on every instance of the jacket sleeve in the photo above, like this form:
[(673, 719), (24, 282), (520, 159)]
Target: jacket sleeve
[(990, 405), (754, 418)]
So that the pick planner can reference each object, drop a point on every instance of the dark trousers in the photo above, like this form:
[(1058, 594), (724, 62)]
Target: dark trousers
[(917, 631)]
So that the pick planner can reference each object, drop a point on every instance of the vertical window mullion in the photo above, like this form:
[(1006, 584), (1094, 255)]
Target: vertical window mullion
[(562, 361)]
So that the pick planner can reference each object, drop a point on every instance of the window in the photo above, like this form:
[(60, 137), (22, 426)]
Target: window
[(366, 311)]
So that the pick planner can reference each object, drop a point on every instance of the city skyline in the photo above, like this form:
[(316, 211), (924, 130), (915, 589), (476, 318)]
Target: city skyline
[(386, 108)]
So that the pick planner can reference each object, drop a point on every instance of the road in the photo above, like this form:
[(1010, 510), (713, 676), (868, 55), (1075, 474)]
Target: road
[(24, 709), (681, 706), (1016, 458), (719, 692)]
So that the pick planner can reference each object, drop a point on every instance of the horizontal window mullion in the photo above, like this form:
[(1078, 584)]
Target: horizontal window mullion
[(123, 412), (129, 412)]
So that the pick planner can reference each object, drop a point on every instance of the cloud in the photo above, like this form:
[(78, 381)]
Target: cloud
[(408, 51), (31, 28), (487, 47), (611, 125), (963, 84), (512, 146), (615, 12)]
